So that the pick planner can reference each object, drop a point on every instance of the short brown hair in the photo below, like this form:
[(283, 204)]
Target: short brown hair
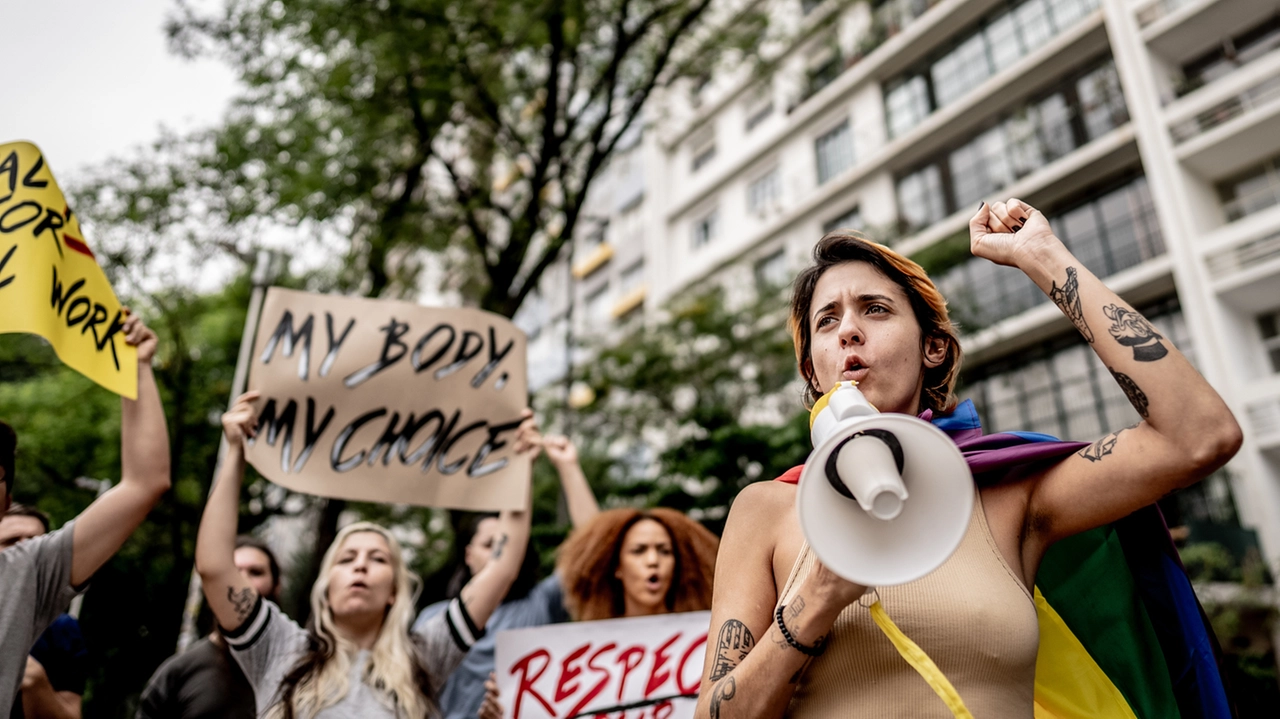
[(24, 510), (927, 303), (589, 559)]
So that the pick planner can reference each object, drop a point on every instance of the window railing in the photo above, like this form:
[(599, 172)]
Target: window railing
[(1159, 9), (1253, 202), (1227, 110)]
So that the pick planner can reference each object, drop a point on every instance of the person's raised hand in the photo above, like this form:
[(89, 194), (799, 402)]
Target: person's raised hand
[(1008, 233), (560, 450), (528, 437), (137, 334), (241, 420)]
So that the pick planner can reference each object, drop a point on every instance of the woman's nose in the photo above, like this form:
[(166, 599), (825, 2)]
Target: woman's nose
[(850, 333)]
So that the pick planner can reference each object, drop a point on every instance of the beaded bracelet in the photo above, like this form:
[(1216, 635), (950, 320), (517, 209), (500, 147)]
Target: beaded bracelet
[(813, 651)]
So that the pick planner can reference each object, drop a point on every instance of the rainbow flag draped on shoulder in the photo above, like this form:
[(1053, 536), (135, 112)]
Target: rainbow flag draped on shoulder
[(1122, 635)]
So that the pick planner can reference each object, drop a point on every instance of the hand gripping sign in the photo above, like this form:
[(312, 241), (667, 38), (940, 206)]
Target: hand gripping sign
[(385, 401), (50, 283), (642, 668)]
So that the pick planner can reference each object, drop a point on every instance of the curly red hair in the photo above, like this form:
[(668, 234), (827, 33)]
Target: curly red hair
[(589, 559)]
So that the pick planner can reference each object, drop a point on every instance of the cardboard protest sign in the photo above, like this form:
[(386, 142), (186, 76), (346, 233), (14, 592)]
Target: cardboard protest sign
[(643, 668), (50, 283), (384, 401)]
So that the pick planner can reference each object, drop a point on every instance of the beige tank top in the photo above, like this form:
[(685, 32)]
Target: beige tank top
[(972, 616)]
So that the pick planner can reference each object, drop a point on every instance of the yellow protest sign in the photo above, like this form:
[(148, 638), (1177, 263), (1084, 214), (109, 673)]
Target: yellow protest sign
[(50, 283)]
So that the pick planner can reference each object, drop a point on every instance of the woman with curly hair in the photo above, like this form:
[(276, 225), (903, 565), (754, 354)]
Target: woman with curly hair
[(358, 657), (637, 562)]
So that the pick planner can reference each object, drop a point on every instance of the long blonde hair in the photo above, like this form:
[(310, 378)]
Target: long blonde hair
[(394, 671)]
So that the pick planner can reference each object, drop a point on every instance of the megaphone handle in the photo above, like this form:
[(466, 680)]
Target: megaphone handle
[(884, 435), (920, 661)]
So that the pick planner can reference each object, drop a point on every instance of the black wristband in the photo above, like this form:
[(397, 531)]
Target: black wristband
[(813, 651)]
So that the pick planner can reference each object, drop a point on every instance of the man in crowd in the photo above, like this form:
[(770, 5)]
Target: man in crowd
[(205, 682), (53, 682), (39, 576)]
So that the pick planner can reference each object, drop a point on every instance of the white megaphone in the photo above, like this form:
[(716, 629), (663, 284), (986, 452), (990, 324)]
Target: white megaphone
[(884, 499)]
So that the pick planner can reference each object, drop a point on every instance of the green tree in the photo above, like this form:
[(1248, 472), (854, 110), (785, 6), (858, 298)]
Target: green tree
[(689, 411)]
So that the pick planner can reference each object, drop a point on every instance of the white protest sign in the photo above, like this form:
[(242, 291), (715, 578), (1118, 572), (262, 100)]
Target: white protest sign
[(643, 668), (386, 401)]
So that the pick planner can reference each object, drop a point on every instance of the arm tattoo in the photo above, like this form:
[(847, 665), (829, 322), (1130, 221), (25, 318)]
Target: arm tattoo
[(241, 601), (1067, 298), (1096, 451), (499, 546), (1136, 396), (722, 692), (1133, 330), (732, 646)]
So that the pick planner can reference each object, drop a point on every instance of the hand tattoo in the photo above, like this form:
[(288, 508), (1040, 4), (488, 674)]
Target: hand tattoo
[(1136, 396), (242, 601), (722, 692), (1067, 298), (1101, 448), (1133, 330), (499, 545), (732, 646)]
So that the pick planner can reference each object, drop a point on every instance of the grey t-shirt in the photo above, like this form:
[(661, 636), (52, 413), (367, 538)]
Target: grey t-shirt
[(35, 587), (269, 644)]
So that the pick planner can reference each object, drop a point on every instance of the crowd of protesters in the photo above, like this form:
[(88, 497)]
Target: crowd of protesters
[(860, 312)]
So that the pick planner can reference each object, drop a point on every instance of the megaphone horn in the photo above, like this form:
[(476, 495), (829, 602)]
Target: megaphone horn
[(884, 498)]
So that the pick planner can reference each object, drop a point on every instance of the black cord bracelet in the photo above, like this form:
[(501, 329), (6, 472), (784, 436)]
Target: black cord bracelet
[(813, 651)]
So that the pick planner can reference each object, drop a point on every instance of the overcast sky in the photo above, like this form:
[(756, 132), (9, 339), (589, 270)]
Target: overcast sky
[(90, 79)]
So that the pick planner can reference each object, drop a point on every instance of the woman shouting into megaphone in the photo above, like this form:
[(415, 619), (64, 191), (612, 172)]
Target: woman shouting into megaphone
[(789, 638)]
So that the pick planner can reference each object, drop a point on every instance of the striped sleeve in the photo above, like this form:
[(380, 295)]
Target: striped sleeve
[(266, 645), (447, 636)]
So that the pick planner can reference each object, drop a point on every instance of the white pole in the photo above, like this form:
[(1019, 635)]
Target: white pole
[(263, 275)]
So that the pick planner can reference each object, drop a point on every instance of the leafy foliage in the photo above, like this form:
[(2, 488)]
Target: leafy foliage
[(690, 411)]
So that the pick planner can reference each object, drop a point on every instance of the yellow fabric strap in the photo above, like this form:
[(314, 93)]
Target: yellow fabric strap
[(920, 661)]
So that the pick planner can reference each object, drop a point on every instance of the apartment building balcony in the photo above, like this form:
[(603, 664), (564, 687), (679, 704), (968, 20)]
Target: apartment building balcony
[(1178, 30), (1243, 261), (1231, 122)]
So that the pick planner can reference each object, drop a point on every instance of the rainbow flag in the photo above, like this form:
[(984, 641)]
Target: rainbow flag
[(1122, 635)]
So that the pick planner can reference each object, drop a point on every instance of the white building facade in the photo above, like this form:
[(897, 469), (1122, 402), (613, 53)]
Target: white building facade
[(1148, 131)]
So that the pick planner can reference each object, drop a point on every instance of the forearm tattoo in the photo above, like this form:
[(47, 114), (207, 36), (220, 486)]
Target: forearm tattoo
[(499, 545), (1101, 448), (1133, 330), (1136, 396), (1067, 298), (732, 646), (241, 601), (722, 692)]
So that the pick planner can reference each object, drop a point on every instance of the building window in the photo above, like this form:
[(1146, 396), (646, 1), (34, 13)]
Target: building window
[(759, 111), (823, 71), (597, 306), (977, 54), (706, 229), (834, 151), (1026, 140), (632, 277), (1107, 232), (851, 220), (772, 272), (1231, 55), (1253, 190), (1061, 387), (907, 104), (764, 193), (703, 149), (808, 6), (1269, 326), (921, 201), (1102, 101)]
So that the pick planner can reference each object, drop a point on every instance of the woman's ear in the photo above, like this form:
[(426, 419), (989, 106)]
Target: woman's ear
[(935, 351)]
